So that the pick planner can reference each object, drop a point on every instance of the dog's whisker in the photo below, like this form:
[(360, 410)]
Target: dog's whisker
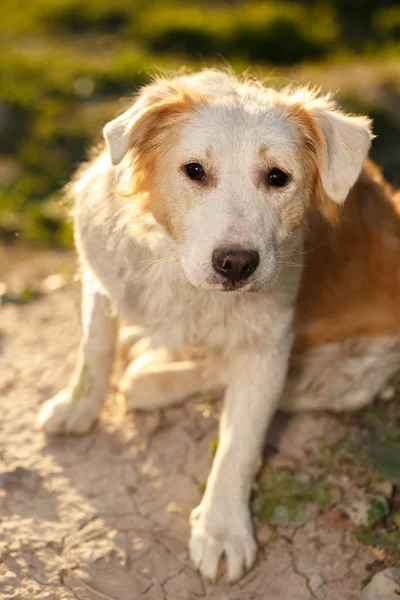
[(308, 251), (158, 261), (286, 264), (153, 264)]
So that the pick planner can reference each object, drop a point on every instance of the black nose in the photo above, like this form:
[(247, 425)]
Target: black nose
[(235, 265)]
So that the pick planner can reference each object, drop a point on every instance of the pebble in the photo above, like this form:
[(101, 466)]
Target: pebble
[(315, 582), (174, 509), (264, 535), (388, 393), (52, 283), (10, 575), (384, 585)]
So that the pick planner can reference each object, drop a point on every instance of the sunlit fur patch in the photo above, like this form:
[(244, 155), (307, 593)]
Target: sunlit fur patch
[(311, 153), (162, 124)]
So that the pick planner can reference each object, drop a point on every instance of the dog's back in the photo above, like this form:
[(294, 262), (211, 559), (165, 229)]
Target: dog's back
[(347, 323), (351, 281)]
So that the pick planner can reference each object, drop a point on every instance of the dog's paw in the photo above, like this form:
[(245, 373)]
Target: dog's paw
[(228, 535), (67, 413)]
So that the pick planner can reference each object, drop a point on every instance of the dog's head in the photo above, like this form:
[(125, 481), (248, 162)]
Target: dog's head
[(231, 169)]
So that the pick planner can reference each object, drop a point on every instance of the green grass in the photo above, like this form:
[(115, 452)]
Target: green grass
[(284, 497)]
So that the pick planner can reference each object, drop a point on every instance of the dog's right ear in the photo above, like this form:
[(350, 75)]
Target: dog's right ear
[(129, 130), (159, 106), (117, 133)]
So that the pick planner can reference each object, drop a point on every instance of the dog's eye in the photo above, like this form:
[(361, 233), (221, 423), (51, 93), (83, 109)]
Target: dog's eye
[(194, 171), (277, 178)]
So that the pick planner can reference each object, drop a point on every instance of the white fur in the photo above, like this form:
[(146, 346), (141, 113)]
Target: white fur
[(347, 144), (340, 376), (170, 289)]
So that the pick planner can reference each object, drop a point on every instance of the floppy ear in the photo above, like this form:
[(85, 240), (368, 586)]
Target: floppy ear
[(343, 149), (159, 106), (117, 133), (129, 130)]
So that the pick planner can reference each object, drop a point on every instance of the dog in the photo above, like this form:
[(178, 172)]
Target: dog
[(247, 234)]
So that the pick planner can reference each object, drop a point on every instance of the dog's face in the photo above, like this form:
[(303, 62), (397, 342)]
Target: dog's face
[(230, 177), (232, 169)]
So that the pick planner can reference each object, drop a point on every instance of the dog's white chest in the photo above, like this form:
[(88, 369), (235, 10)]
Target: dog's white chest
[(174, 314)]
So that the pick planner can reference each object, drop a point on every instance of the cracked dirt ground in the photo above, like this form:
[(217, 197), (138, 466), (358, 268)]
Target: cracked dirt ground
[(106, 515)]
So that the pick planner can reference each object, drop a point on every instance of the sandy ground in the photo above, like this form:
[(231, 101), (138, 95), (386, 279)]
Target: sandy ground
[(106, 515)]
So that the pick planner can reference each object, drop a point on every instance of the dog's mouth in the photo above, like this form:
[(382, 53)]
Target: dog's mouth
[(214, 283), (238, 286), (229, 286)]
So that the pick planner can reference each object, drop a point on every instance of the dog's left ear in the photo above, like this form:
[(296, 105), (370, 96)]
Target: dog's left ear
[(344, 144)]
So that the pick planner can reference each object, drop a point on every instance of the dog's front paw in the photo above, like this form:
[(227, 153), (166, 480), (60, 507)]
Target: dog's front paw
[(226, 532), (68, 413)]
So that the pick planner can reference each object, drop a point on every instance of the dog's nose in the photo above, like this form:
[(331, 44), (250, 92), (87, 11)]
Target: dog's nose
[(235, 265)]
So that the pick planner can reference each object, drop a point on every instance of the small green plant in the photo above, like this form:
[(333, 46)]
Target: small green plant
[(283, 497), (214, 447)]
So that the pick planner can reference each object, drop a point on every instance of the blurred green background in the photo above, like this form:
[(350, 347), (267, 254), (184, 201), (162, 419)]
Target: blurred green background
[(65, 64)]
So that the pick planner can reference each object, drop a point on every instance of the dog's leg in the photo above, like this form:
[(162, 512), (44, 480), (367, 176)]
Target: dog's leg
[(156, 380), (339, 376), (75, 409), (221, 524), (129, 337)]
